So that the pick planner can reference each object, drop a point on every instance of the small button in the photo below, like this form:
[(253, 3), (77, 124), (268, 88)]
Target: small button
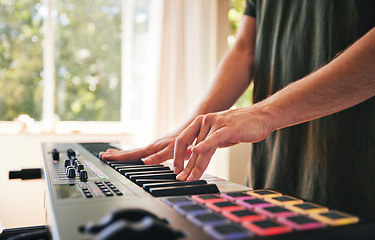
[(262, 193), (108, 194), (206, 219), (118, 193), (236, 196), (207, 198), (335, 218), (171, 201), (190, 209), (307, 208), (242, 215), (301, 222), (284, 200), (274, 212), (266, 227), (252, 203), (223, 206), (227, 231), (88, 195), (86, 191)]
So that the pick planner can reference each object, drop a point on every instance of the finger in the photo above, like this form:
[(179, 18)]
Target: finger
[(113, 150), (204, 129), (184, 173), (200, 165), (196, 166), (109, 150), (183, 141), (188, 153), (159, 157), (215, 139), (131, 155)]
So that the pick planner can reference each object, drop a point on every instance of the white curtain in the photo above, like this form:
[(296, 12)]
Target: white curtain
[(184, 58)]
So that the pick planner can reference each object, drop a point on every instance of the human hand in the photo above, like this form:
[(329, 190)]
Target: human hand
[(155, 153), (216, 130)]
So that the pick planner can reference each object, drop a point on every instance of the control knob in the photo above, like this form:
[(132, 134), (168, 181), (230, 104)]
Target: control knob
[(55, 154), (71, 153), (70, 172), (83, 175)]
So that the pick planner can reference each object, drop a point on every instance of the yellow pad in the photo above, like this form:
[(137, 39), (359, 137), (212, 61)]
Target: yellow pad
[(335, 218), (284, 200), (307, 208), (263, 193)]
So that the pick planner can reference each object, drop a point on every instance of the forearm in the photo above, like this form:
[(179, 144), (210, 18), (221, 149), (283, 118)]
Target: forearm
[(346, 81), (233, 76)]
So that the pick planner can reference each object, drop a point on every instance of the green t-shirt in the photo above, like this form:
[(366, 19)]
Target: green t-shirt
[(330, 160)]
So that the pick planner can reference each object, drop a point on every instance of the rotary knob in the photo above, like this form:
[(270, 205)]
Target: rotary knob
[(70, 172), (67, 163), (79, 167), (71, 153), (55, 155), (83, 175)]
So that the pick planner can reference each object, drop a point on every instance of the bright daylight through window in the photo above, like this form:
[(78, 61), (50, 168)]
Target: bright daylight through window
[(84, 58)]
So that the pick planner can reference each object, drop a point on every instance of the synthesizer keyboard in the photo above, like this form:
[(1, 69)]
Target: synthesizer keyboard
[(93, 199)]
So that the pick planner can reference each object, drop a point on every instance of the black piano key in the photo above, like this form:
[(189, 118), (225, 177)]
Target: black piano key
[(141, 182), (184, 190), (137, 162), (154, 176), (148, 186), (121, 165), (128, 174), (127, 170)]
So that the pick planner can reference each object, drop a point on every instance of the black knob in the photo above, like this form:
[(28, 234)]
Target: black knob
[(70, 172), (55, 154), (83, 176), (71, 153), (73, 161), (67, 163), (76, 162), (79, 167)]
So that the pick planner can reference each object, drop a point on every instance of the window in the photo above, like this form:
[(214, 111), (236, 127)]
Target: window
[(67, 59)]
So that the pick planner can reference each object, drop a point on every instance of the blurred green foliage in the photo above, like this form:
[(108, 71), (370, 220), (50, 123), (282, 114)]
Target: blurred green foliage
[(88, 60), (87, 54), (21, 59), (237, 8)]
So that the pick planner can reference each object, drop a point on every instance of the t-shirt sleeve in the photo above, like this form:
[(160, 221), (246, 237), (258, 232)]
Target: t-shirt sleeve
[(250, 8)]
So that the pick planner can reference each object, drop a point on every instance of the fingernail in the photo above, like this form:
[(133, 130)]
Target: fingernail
[(147, 161), (181, 177), (191, 178)]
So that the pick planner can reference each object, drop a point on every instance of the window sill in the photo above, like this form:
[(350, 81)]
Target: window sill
[(62, 128)]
